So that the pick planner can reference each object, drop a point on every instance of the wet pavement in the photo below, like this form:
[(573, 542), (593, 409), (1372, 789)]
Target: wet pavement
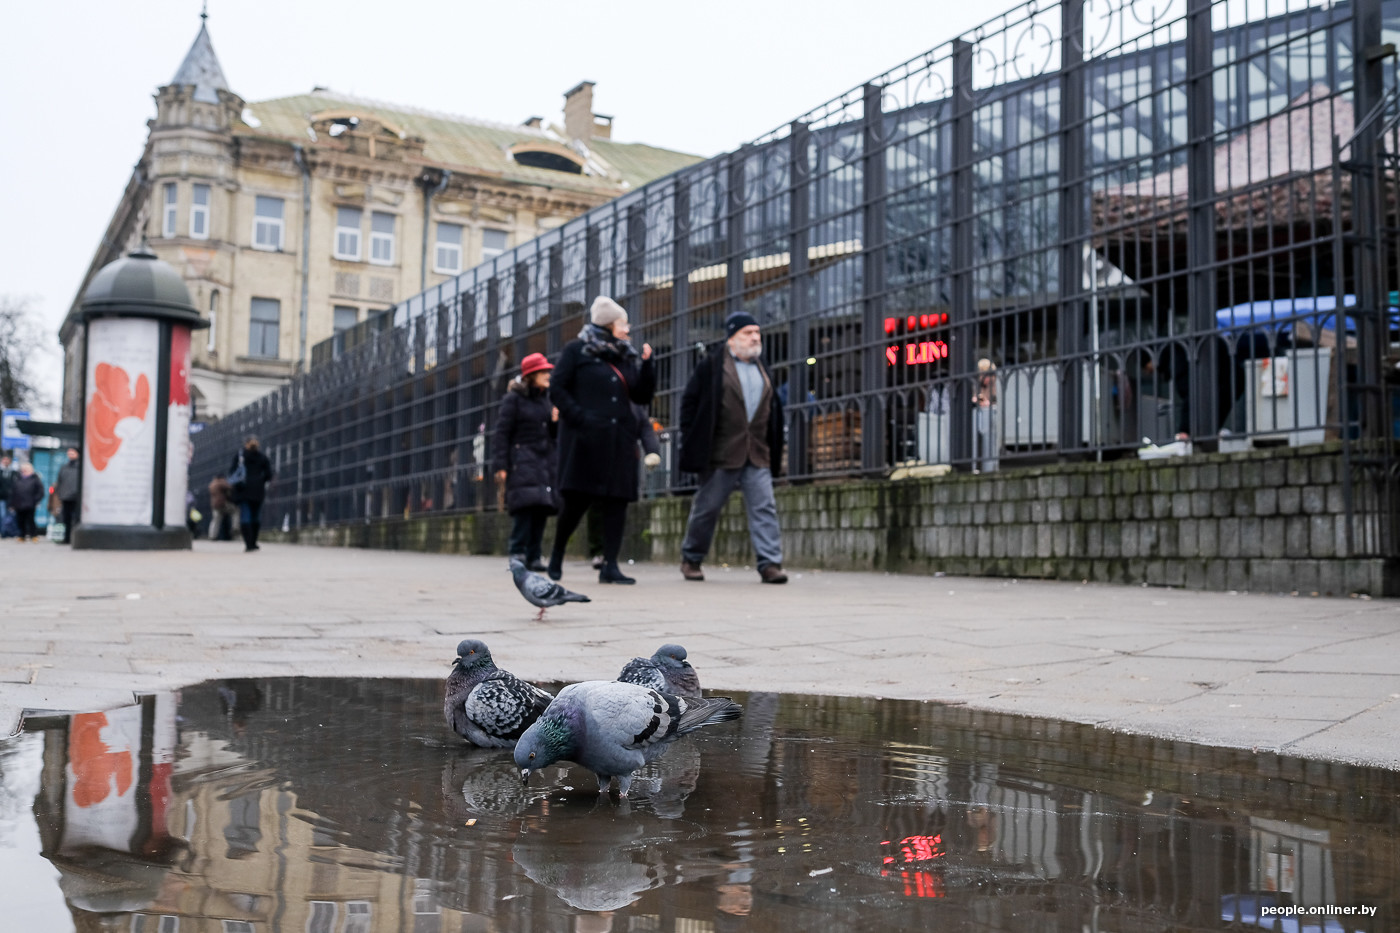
[(330, 805), (1314, 677)]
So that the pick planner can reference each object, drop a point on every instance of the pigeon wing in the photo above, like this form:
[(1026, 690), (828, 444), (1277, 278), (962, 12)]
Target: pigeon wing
[(643, 672), (503, 706)]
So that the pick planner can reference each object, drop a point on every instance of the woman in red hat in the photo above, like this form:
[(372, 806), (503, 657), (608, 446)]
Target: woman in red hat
[(525, 459)]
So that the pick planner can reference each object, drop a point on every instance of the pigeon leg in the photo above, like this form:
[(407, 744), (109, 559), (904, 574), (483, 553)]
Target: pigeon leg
[(540, 617), (624, 782), (604, 783)]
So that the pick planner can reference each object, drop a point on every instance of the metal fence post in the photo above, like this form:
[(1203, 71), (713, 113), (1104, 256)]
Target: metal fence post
[(1073, 227), (734, 282), (554, 336), (963, 353), (799, 290), (873, 268), (1200, 231)]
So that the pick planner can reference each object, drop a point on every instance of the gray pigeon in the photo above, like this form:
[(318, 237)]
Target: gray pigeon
[(541, 591), (613, 728), (486, 705), (667, 671)]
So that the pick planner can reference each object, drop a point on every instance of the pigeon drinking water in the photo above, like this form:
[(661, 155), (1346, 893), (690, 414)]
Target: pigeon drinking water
[(667, 671), (614, 728), (541, 591), (486, 705)]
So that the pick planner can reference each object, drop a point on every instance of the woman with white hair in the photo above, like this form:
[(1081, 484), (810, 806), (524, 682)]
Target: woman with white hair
[(596, 381)]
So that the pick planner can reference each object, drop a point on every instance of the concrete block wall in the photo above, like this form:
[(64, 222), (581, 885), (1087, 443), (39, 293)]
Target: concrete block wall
[(1266, 521)]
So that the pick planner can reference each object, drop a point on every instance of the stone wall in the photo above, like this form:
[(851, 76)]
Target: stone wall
[(1265, 521)]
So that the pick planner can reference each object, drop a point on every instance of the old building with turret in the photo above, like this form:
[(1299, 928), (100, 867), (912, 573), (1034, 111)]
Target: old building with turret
[(295, 218)]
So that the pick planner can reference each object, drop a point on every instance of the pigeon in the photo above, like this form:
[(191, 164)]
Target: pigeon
[(541, 591), (667, 671), (486, 705), (613, 728)]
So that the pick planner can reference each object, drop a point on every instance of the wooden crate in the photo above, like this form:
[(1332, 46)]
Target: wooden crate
[(835, 442)]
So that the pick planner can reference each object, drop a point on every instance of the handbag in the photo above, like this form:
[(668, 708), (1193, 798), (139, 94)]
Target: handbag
[(239, 475)]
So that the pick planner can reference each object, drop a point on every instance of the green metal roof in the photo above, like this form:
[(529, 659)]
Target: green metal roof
[(465, 144)]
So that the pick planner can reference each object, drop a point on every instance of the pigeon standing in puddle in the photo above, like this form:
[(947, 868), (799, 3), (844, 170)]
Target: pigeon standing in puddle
[(614, 728), (667, 671), (486, 705)]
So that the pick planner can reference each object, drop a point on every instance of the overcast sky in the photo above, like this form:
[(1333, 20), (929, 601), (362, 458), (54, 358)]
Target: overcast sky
[(79, 76)]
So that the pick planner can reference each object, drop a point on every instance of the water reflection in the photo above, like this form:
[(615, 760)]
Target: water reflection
[(345, 807)]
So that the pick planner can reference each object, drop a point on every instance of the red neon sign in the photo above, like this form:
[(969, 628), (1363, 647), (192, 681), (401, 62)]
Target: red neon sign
[(919, 851), (914, 354)]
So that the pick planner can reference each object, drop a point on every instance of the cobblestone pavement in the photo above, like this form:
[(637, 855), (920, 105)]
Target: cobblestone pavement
[(1314, 677)]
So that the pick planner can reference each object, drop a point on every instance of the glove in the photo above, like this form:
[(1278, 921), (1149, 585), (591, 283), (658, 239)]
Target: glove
[(652, 461)]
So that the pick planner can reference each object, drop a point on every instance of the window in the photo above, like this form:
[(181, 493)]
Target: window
[(346, 317), (238, 926), (493, 244), (381, 238), (213, 319), (357, 917), (199, 213), (449, 249), (267, 223), (347, 233), (265, 319), (168, 224), (322, 919)]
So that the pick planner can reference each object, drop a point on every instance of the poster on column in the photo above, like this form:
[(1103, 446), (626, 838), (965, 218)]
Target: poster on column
[(119, 443), (177, 430)]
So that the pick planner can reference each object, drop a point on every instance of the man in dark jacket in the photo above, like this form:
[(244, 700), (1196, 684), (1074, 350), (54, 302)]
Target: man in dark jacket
[(732, 435), (66, 488), (25, 496)]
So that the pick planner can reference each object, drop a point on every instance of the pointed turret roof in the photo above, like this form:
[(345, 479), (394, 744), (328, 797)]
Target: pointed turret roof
[(201, 68)]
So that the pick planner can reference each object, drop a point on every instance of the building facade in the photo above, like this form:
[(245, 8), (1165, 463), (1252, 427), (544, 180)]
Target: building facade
[(297, 218)]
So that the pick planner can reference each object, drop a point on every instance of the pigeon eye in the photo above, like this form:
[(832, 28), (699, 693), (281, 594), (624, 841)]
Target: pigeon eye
[(532, 756)]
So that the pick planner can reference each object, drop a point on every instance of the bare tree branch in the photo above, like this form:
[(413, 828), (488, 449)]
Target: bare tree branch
[(21, 343)]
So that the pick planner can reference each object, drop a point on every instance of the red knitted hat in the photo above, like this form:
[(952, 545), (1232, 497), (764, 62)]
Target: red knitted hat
[(534, 363)]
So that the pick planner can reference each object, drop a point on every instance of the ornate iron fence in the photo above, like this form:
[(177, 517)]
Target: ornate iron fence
[(1077, 226)]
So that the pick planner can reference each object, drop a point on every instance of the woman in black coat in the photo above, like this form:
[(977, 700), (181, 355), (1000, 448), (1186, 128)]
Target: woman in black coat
[(250, 491), (598, 377), (524, 457)]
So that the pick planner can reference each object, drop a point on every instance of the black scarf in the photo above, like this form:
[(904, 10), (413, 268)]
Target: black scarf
[(599, 342)]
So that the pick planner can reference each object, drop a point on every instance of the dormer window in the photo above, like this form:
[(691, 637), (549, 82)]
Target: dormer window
[(551, 156)]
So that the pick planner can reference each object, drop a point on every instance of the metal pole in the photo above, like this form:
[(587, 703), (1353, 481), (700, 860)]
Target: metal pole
[(799, 325), (963, 352), (873, 365), (1200, 233), (1072, 240)]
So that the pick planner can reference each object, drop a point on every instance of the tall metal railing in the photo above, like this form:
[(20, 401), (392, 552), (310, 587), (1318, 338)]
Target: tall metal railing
[(1077, 226)]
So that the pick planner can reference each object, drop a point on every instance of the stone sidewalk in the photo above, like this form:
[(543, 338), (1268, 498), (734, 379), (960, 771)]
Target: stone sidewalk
[(1313, 677)]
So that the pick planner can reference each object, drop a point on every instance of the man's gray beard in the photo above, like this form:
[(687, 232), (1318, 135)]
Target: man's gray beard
[(750, 356)]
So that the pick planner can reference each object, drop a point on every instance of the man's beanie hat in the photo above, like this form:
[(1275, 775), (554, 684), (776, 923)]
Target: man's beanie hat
[(605, 311), (737, 322)]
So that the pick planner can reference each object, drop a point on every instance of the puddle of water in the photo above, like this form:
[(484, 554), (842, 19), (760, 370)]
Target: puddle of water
[(332, 806)]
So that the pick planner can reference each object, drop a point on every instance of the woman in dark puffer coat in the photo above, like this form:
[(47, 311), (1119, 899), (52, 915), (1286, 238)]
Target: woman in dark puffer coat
[(524, 457)]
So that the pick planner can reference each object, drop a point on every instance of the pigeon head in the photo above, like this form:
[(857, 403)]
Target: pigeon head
[(671, 656), (473, 655), (548, 740)]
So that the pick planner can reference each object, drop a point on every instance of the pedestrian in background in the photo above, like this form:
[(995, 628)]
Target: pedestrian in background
[(221, 509), (732, 435), (25, 496), (8, 475), (598, 378), (524, 457), (66, 489), (249, 475)]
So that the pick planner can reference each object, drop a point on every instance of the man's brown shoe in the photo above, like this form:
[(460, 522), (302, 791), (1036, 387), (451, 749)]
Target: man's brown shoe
[(773, 573), (691, 571)]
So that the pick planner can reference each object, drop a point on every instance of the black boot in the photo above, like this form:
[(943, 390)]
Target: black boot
[(611, 574), (246, 530), (257, 526), (556, 565)]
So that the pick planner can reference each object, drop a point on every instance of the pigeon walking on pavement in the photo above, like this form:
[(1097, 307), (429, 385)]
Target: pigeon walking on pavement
[(486, 705), (666, 671), (541, 591), (613, 729)]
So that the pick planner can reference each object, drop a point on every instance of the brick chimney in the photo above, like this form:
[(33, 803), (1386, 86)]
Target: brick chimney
[(578, 112)]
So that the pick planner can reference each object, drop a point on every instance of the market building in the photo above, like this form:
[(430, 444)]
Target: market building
[(1034, 246)]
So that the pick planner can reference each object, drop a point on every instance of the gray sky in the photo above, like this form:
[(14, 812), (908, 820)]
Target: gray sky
[(79, 77)]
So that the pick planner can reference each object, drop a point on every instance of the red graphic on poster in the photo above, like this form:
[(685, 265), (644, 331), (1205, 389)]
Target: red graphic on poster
[(179, 366), (94, 764), (112, 400)]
